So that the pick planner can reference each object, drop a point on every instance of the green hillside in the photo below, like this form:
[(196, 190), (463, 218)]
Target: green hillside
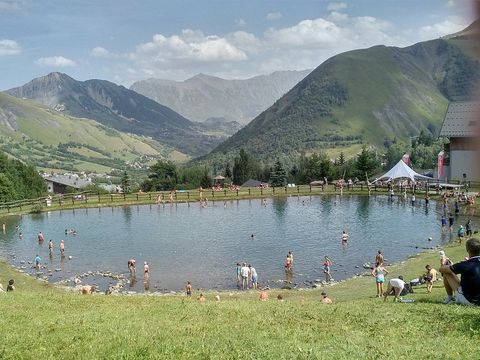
[(362, 96), (48, 139), (118, 108)]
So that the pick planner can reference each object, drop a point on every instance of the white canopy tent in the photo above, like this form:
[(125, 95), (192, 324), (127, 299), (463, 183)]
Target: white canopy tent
[(402, 171)]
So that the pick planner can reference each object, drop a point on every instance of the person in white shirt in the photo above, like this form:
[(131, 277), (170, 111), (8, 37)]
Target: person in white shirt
[(245, 272), (396, 285)]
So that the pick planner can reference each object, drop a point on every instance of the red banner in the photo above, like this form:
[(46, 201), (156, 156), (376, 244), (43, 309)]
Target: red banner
[(441, 158)]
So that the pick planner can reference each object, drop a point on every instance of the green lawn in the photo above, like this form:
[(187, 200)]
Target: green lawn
[(40, 321)]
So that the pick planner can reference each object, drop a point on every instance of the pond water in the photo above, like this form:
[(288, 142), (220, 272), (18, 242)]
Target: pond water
[(186, 242)]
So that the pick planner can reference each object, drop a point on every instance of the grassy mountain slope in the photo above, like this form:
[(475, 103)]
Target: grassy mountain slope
[(48, 139), (118, 108), (365, 96)]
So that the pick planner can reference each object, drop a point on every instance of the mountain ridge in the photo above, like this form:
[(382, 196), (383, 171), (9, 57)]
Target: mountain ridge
[(204, 96), (117, 107)]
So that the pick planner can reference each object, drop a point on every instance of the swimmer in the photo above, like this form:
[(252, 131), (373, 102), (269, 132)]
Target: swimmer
[(40, 237), (288, 264), (252, 236), (146, 271), (344, 236), (20, 235), (62, 248)]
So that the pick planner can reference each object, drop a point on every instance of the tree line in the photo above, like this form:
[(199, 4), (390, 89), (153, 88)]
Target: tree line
[(19, 181)]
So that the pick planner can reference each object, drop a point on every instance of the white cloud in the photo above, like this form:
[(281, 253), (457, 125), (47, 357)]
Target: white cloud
[(450, 3), (101, 52), (274, 15), (307, 33), (240, 22), (336, 6), (55, 61), (189, 46), (244, 41), (9, 47), (446, 27), (336, 17)]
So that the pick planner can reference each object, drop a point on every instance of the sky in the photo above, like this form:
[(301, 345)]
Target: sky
[(124, 41)]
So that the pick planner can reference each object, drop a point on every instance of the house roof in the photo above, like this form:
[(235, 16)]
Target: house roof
[(68, 180), (461, 119), (252, 183)]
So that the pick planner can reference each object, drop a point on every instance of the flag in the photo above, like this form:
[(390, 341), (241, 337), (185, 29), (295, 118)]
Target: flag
[(441, 158)]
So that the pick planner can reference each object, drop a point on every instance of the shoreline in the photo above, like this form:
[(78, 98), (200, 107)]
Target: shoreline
[(123, 281)]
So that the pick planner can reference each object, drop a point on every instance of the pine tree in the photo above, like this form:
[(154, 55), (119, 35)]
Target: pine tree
[(125, 182), (278, 176)]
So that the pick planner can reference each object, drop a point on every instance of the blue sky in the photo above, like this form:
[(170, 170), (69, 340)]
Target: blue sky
[(124, 41)]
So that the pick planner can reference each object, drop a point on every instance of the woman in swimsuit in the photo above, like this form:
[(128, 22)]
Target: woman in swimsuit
[(379, 272), (326, 269)]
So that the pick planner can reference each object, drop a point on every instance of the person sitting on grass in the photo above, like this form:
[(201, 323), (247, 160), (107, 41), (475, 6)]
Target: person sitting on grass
[(429, 276), (394, 285), (263, 296), (11, 286), (325, 298), (468, 287)]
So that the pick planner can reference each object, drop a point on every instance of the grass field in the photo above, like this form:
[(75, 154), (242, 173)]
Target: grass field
[(41, 321)]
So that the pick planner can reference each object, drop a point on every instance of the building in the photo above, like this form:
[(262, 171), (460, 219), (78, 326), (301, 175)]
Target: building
[(58, 183), (459, 161)]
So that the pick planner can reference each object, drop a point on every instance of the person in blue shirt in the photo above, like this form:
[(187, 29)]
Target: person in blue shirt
[(37, 262)]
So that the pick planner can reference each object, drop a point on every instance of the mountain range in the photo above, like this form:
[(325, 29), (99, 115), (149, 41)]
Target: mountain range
[(364, 96), (204, 97), (119, 108)]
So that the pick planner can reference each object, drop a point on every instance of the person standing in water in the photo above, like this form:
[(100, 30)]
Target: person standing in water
[(327, 263), (131, 267), (290, 255), (40, 237), (345, 236), (188, 288), (379, 258), (146, 271), (37, 262), (50, 247), (62, 248)]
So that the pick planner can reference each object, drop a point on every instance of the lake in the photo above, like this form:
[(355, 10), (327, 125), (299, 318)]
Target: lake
[(202, 245)]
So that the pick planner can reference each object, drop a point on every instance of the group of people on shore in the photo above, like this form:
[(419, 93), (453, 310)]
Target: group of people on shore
[(246, 276)]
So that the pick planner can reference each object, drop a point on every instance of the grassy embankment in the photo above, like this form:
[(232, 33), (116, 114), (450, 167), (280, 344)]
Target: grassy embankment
[(41, 321)]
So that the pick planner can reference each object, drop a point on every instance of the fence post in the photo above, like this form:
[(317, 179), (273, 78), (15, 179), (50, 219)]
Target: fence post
[(273, 189), (237, 192), (150, 196), (111, 198), (248, 191), (8, 208), (124, 196), (188, 195), (213, 193), (311, 187), (261, 191), (286, 189), (298, 189), (73, 200)]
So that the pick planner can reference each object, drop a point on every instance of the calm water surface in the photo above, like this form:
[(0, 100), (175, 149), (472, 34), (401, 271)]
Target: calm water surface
[(202, 245)]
